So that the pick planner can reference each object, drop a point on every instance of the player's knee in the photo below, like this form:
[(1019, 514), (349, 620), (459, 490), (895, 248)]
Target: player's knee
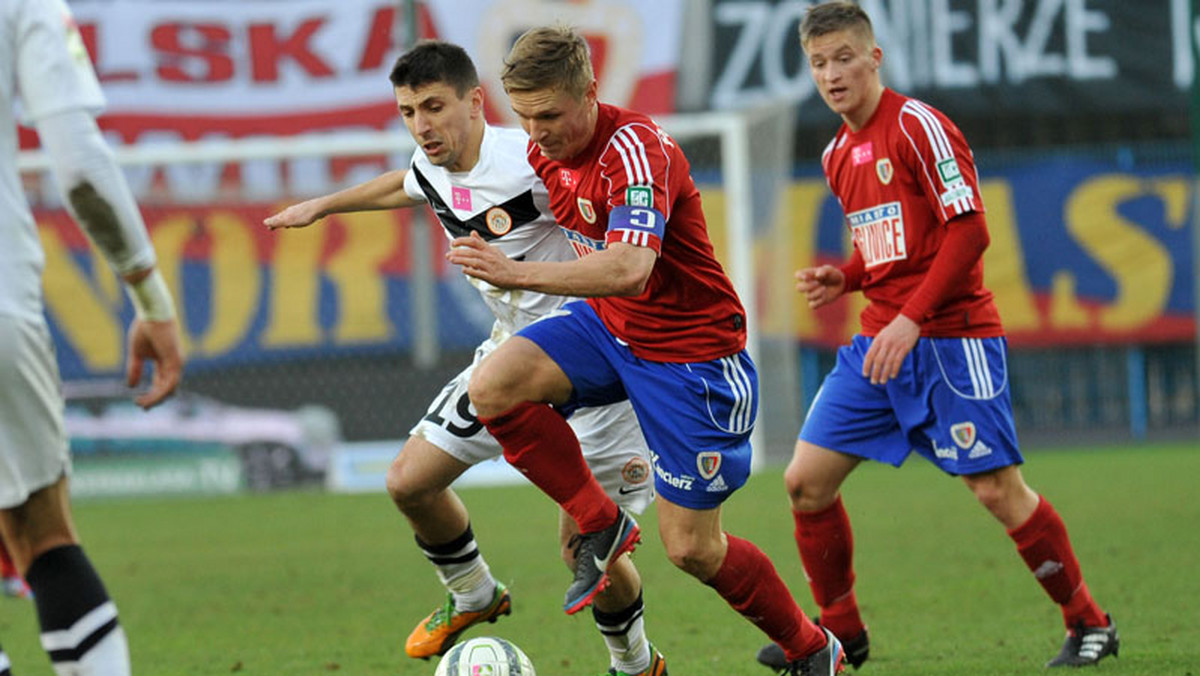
[(695, 557), (489, 397), (406, 493), (807, 492), (989, 491)]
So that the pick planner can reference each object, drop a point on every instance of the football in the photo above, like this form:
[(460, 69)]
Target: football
[(485, 656)]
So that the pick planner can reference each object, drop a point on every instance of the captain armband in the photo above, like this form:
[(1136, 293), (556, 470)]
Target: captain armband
[(151, 299)]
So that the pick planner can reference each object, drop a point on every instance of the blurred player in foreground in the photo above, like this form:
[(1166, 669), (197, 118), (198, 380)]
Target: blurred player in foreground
[(44, 67), (928, 371), (662, 328), (477, 180)]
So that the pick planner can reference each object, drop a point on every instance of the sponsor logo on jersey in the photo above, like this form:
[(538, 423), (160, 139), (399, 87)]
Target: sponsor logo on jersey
[(862, 153), (498, 221), (683, 483), (718, 485), (879, 233), (943, 452), (586, 210), (708, 463), (979, 450), (461, 198), (582, 244), (958, 192), (568, 178), (636, 471), (884, 170), (963, 434), (639, 196)]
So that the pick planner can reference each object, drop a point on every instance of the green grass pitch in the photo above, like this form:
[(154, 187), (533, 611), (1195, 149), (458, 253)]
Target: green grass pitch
[(309, 583)]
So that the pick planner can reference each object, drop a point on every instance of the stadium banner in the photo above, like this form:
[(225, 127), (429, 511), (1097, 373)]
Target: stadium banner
[(1081, 252), (973, 59), (192, 69)]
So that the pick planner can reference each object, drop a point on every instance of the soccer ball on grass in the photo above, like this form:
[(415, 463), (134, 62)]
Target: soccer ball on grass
[(485, 656)]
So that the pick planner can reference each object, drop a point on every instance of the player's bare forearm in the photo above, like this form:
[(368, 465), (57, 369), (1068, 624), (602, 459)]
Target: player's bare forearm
[(385, 191), (619, 270)]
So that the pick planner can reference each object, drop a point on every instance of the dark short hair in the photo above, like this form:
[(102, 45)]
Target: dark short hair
[(830, 17), (435, 61)]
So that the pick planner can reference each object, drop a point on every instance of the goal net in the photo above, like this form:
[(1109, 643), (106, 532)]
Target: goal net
[(361, 313)]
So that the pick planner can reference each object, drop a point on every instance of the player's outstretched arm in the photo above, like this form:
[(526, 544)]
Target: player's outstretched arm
[(99, 199), (618, 270), (385, 191)]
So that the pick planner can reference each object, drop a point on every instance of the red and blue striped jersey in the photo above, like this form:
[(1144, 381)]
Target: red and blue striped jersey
[(633, 184)]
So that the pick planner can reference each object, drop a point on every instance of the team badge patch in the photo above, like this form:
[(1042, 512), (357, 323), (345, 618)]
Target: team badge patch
[(708, 463), (963, 434), (635, 471), (948, 171), (883, 169), (639, 196), (498, 221), (586, 210)]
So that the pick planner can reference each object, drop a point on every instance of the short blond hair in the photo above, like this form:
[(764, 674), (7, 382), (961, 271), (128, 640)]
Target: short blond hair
[(830, 17), (549, 57)]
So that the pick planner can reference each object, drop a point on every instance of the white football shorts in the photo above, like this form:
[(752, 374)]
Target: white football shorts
[(33, 443), (611, 439)]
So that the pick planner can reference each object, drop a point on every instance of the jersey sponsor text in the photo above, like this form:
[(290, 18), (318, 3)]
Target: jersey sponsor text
[(879, 233)]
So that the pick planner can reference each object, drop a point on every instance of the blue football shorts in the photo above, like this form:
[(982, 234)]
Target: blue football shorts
[(950, 403), (696, 417)]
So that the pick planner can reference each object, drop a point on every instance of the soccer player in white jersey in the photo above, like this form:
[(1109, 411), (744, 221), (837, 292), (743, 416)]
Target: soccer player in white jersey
[(477, 180), (44, 68), (928, 371)]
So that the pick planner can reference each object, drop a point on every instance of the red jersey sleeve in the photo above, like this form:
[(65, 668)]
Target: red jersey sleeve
[(636, 170), (942, 161)]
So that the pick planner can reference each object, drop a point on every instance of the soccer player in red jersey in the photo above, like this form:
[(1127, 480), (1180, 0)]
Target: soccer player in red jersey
[(928, 370), (661, 327)]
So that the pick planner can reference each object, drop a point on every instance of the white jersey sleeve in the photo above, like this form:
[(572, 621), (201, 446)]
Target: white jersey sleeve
[(53, 71), (412, 187)]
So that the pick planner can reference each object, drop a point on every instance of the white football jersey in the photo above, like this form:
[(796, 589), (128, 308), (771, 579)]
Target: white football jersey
[(507, 204), (45, 69)]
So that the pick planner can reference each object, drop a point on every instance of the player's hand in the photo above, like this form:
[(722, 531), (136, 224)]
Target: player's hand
[(483, 261), (296, 216), (821, 285), (889, 349), (158, 342)]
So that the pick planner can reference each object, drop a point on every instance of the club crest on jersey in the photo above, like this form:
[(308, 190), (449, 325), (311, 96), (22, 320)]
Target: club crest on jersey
[(586, 210), (862, 153), (884, 170), (708, 463), (635, 471), (948, 171), (963, 434), (499, 222), (639, 196), (568, 178)]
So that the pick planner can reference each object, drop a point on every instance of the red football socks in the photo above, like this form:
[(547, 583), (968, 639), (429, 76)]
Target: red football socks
[(749, 583), (540, 443), (826, 547), (1042, 541)]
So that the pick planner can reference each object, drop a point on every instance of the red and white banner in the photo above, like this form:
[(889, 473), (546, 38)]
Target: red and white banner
[(635, 45), (188, 69)]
